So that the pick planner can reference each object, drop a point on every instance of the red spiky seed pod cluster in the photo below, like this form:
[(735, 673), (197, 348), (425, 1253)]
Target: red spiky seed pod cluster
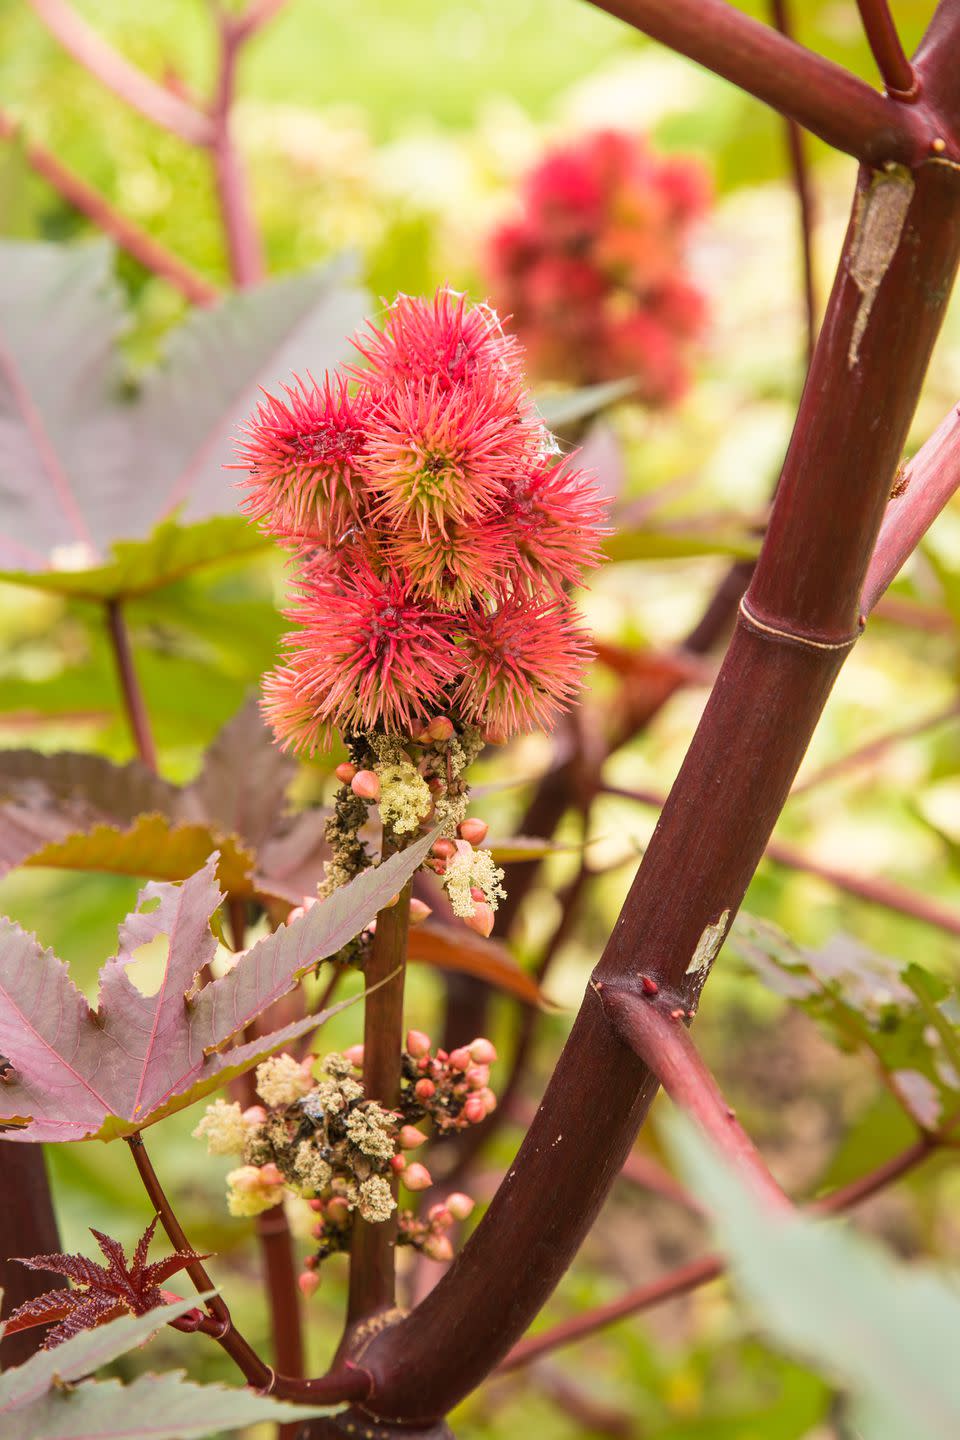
[(592, 269), (436, 530)]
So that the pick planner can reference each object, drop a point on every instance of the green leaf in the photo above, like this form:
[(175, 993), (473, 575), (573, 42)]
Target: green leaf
[(42, 1399), (563, 408), (137, 567), (79, 1073), (884, 1330), (903, 1015), (680, 543)]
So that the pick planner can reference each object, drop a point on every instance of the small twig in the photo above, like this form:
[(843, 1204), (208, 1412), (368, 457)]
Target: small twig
[(922, 489), (253, 1369), (800, 173), (898, 75), (874, 749), (243, 241), (695, 1273), (91, 51), (132, 694), (89, 202), (652, 1025), (257, 15)]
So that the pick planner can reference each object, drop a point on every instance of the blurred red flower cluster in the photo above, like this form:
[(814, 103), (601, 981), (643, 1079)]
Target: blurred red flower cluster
[(592, 270), (435, 527)]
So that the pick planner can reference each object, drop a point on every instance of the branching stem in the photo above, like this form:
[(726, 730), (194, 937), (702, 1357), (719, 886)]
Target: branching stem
[(881, 32)]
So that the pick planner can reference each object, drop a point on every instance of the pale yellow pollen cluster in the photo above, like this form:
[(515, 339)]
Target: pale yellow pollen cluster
[(405, 797), (281, 1080), (223, 1129), (250, 1193), (470, 869)]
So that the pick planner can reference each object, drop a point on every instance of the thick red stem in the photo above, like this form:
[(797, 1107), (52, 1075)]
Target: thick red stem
[(29, 1228), (797, 624), (820, 96)]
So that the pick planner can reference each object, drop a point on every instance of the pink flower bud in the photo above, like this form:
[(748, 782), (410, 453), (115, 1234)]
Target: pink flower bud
[(270, 1175), (366, 784), (440, 1216), (482, 1051), (424, 1089), (440, 728), (489, 1100), (474, 1110), (442, 1055), (418, 1044), (476, 893), (438, 1247), (316, 1205), (481, 920), (345, 772), (397, 1164), (474, 830), (318, 1231), (417, 1177), (411, 1137), (418, 911), (444, 849), (460, 1205), (254, 1115), (460, 1058), (337, 1210), (311, 1262), (309, 1283), (354, 1055), (478, 1077)]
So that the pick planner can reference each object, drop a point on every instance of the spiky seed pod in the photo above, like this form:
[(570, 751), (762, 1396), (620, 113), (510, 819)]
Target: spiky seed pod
[(522, 664), (443, 337), (304, 458), (555, 517)]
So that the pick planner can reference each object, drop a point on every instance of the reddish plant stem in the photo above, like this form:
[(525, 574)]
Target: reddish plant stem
[(89, 202), (800, 172), (256, 16), (881, 32), (695, 1273), (878, 892), (253, 1369), (243, 241), (652, 1026), (820, 96), (272, 1229), (922, 490), (372, 1252), (874, 749), (796, 625), (91, 51), (29, 1228), (129, 685)]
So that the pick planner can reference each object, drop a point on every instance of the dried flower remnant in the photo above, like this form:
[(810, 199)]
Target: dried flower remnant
[(593, 269)]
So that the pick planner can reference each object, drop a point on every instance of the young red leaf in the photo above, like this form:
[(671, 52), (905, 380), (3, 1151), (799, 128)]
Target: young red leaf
[(76, 1073), (104, 1291)]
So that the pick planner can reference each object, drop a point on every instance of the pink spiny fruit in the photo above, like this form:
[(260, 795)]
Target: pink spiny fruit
[(465, 560), (437, 455), (556, 516), (523, 663), (304, 458), (367, 654), (445, 337)]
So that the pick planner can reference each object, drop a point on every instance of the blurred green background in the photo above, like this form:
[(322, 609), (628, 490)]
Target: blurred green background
[(399, 132)]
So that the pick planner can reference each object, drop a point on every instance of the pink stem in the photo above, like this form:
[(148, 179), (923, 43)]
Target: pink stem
[(256, 16), (243, 242), (117, 74), (881, 32), (921, 491), (652, 1025), (95, 207)]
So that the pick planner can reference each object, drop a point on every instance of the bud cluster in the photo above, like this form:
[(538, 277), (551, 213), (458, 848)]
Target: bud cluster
[(592, 270), (323, 1140)]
